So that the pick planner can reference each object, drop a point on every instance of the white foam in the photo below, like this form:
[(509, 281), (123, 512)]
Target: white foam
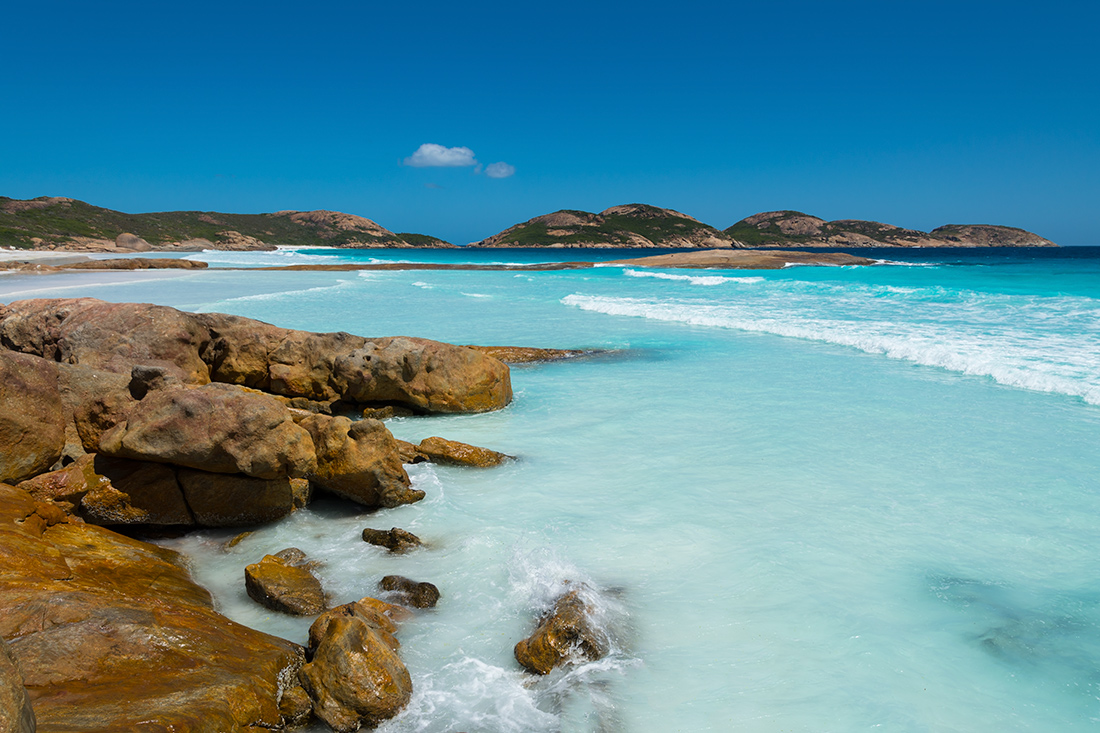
[(285, 294), (693, 279), (477, 295), (1044, 344)]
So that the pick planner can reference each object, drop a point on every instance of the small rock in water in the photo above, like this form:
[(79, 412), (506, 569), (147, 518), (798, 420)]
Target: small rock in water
[(441, 450), (564, 633), (385, 413), (379, 615), (410, 592), (230, 544), (355, 678), (394, 540), (282, 583)]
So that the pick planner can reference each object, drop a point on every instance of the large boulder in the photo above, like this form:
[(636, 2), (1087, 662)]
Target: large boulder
[(32, 424), (112, 633), (108, 336), (16, 715), (427, 375), (216, 427), (235, 500), (359, 461), (95, 401), (567, 633), (355, 678), (283, 582), (379, 615)]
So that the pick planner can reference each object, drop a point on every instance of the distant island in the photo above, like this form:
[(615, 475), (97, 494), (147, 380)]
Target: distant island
[(56, 223)]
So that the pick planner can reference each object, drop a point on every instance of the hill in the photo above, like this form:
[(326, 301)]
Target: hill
[(64, 223), (632, 225), (795, 229)]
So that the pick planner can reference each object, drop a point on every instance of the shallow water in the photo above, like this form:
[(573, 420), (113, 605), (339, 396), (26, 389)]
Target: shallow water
[(814, 499)]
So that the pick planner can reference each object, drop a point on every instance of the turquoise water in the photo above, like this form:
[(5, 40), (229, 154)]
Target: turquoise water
[(813, 499)]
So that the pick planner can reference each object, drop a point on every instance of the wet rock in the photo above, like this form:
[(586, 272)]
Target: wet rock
[(531, 354), (452, 452), (285, 584), (301, 493), (394, 540), (359, 461), (97, 400), (236, 540), (379, 615), (410, 453), (566, 633), (355, 678), (295, 707), (112, 633), (32, 424), (410, 592), (16, 715), (216, 428)]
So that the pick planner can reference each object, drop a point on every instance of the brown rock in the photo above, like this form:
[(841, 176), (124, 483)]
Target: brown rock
[(135, 492), (32, 424), (216, 428), (531, 354), (284, 585), (97, 400), (394, 540), (386, 412), (410, 592), (410, 453), (564, 634), (355, 678), (379, 615), (425, 375), (108, 336), (133, 242), (233, 499), (112, 633), (16, 715), (441, 450), (359, 461), (295, 707)]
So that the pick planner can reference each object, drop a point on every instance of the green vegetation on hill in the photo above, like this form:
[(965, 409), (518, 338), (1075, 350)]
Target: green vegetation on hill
[(650, 222), (753, 236), (56, 221)]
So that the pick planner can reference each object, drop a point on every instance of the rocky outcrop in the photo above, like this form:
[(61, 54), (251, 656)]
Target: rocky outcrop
[(111, 632), (409, 592), (567, 633), (32, 425), (284, 582), (16, 714), (532, 354), (132, 242), (795, 229), (216, 428), (631, 225), (428, 376), (454, 453), (394, 540), (359, 461), (355, 678)]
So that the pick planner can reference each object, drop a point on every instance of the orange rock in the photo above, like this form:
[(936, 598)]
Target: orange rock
[(566, 633), (441, 450), (285, 584)]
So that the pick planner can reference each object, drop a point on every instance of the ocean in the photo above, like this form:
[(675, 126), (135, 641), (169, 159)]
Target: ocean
[(809, 499)]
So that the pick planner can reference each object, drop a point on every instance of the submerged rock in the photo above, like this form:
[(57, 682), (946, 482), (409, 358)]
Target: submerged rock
[(394, 540), (355, 678), (112, 633), (410, 592), (283, 582), (564, 634)]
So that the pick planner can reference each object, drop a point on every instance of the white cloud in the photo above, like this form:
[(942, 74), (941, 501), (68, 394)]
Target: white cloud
[(499, 170), (430, 155)]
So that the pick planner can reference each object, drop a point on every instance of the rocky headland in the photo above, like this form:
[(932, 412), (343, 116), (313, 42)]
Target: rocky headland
[(58, 223), (795, 229), (631, 225)]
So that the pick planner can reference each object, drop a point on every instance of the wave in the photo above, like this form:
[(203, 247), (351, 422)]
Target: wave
[(693, 279), (283, 294), (1036, 343)]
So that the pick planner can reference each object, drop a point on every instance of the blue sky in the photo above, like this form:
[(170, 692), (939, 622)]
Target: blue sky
[(917, 114)]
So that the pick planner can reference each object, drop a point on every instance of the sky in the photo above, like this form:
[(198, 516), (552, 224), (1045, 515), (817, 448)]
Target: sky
[(461, 119)]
